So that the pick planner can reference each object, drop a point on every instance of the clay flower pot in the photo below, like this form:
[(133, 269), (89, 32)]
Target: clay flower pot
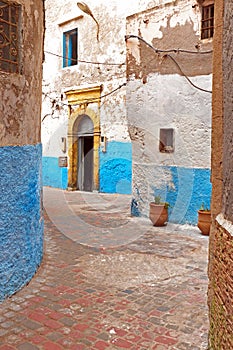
[(204, 221), (158, 214)]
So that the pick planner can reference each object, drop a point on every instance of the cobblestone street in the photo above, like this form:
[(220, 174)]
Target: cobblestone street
[(109, 281)]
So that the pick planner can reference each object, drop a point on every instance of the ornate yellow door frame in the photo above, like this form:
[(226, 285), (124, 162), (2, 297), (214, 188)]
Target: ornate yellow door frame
[(81, 102)]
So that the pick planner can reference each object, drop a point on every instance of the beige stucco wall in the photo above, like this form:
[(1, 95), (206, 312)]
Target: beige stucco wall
[(20, 102)]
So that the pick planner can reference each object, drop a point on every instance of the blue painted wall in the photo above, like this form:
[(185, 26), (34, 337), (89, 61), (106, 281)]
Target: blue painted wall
[(53, 175), (115, 173), (190, 188), (115, 169), (21, 222)]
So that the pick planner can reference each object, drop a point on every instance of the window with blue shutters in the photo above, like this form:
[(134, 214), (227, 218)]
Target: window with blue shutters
[(70, 48)]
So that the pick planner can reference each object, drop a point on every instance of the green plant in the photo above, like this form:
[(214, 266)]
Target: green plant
[(158, 201), (204, 208)]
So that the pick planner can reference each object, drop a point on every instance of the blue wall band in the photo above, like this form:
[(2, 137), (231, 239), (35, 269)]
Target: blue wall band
[(115, 173), (115, 169), (21, 222), (53, 175), (190, 188)]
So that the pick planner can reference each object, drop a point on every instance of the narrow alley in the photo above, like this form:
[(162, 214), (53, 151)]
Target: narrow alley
[(110, 281)]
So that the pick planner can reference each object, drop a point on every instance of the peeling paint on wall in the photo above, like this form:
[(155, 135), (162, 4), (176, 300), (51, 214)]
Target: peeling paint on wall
[(110, 73), (21, 220), (160, 96)]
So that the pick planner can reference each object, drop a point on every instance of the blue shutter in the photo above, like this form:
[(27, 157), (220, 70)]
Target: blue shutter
[(70, 51), (64, 50)]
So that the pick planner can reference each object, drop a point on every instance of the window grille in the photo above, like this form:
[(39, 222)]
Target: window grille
[(207, 23), (9, 37)]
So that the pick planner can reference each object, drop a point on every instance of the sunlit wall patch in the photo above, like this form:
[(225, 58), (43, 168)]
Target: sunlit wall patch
[(10, 15)]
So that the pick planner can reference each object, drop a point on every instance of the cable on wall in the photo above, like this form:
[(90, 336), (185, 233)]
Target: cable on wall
[(170, 50), (88, 62), (83, 102), (186, 77), (158, 51)]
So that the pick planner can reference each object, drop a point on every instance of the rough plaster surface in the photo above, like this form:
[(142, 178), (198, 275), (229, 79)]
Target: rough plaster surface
[(184, 188), (168, 101), (167, 27), (111, 48), (221, 242), (53, 175), (21, 224), (116, 168), (20, 102), (159, 96), (227, 106)]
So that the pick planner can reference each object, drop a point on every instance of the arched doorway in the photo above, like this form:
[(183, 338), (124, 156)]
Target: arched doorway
[(83, 116), (84, 130)]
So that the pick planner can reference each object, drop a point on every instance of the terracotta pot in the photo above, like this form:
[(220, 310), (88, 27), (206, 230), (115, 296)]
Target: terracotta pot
[(204, 221), (158, 214)]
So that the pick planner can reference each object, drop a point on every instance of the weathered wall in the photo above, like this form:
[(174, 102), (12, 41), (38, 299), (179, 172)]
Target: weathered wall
[(159, 96), (21, 92), (111, 48), (221, 237), (116, 168), (228, 108), (21, 224), (64, 16)]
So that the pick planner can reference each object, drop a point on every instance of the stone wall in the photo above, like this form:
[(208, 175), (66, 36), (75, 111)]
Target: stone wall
[(21, 222), (221, 237), (221, 285)]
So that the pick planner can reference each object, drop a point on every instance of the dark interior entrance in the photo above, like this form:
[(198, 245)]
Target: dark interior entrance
[(85, 164)]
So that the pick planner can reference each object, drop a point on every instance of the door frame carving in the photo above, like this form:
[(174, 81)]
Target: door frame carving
[(83, 101)]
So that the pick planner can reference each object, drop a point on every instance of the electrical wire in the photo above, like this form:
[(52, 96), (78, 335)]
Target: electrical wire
[(173, 59), (186, 77), (88, 62), (83, 102), (167, 51), (156, 50)]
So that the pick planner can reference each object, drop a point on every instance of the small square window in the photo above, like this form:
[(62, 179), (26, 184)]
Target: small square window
[(166, 140), (207, 23), (9, 37), (70, 48)]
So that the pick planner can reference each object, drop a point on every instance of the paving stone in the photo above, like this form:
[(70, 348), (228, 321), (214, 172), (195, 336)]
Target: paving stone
[(6, 347), (27, 346), (91, 296), (29, 324), (3, 332)]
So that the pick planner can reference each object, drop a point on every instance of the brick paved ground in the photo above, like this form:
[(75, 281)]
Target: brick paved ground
[(144, 291)]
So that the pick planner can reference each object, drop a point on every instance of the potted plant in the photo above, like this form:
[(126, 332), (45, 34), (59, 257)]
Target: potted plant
[(158, 212), (204, 219)]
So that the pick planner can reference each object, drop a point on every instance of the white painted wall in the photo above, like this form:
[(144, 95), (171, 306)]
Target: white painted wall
[(64, 16), (159, 97), (169, 101)]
